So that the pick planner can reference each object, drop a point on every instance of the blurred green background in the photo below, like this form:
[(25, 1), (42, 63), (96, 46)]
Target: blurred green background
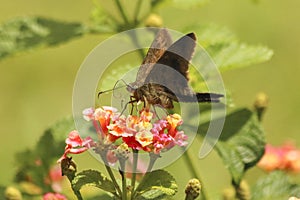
[(36, 86)]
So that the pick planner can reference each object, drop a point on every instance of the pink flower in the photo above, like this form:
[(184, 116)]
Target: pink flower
[(138, 131), (88, 114), (286, 157), (55, 178), (76, 145), (271, 159), (54, 196)]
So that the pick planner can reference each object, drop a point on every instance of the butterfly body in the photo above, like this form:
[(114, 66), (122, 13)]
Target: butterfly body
[(154, 94), (163, 75)]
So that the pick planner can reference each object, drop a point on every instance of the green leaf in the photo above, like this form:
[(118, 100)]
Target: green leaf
[(225, 48), (276, 185), (211, 34), (102, 197), (29, 32), (157, 184), (93, 178), (47, 150), (103, 23), (241, 143), (236, 55), (61, 128)]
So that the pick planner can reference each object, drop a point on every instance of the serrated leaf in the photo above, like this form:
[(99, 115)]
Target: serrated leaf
[(157, 184), (225, 48), (93, 178), (29, 32), (241, 143), (276, 185), (211, 34), (236, 55)]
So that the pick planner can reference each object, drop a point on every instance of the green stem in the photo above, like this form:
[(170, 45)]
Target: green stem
[(121, 10), (122, 172), (134, 167), (153, 158), (78, 194), (135, 41), (137, 11), (110, 173), (191, 166)]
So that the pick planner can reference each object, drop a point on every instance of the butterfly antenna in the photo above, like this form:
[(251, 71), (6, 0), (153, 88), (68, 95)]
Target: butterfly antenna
[(104, 91), (115, 86)]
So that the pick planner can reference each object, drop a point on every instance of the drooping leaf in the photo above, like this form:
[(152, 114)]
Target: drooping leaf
[(157, 184), (276, 185), (93, 178), (29, 32), (241, 143)]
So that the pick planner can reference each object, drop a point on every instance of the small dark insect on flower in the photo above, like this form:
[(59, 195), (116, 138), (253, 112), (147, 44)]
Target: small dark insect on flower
[(163, 75)]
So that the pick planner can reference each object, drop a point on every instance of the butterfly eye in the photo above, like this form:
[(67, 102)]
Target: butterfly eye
[(131, 88)]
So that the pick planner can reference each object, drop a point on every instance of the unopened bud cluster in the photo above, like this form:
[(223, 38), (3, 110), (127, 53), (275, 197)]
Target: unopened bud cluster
[(193, 189), (122, 152)]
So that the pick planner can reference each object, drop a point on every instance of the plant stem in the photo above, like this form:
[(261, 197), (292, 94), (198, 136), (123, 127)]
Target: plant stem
[(134, 167), (137, 11), (191, 166), (77, 194), (122, 172), (153, 158), (110, 173), (121, 10), (136, 43)]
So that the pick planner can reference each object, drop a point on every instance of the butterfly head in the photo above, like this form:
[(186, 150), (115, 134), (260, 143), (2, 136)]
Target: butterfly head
[(131, 87)]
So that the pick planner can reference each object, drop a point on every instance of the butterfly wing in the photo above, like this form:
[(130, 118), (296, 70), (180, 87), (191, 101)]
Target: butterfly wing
[(171, 70), (159, 45)]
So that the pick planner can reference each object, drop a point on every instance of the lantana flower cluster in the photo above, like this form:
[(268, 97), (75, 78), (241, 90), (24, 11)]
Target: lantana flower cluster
[(139, 132), (285, 157)]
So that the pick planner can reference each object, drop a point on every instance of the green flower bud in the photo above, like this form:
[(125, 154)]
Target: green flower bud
[(154, 20), (260, 104), (12, 193), (193, 189), (122, 152), (243, 191), (261, 101), (294, 198), (228, 194)]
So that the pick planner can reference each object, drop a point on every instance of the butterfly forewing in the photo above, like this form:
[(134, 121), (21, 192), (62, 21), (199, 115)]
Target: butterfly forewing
[(159, 45)]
